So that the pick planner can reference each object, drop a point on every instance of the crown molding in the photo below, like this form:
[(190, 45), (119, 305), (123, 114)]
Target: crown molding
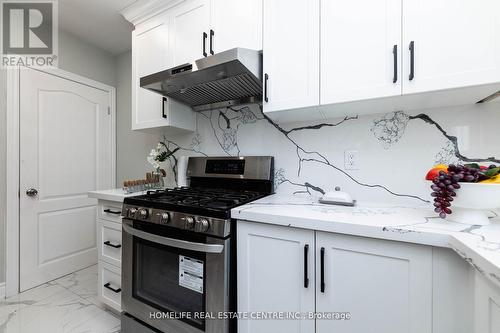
[(141, 10)]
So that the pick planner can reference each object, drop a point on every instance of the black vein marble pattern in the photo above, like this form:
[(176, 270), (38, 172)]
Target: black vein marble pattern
[(224, 127)]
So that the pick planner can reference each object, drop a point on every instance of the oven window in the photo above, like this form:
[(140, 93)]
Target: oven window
[(170, 279)]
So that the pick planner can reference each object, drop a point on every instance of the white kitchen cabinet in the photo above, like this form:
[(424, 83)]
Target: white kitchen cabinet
[(236, 23), (360, 50), (189, 28), (456, 44), (291, 54), (151, 54), (385, 286), (271, 276), (487, 306)]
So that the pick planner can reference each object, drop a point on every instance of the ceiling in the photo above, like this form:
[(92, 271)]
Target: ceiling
[(97, 22)]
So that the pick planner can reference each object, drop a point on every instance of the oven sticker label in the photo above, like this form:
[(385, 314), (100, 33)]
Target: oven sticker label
[(191, 273)]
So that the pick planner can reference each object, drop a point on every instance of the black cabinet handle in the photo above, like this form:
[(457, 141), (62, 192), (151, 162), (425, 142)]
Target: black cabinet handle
[(108, 286), (412, 60), (205, 44), (395, 54), (322, 268), (306, 274), (212, 34), (266, 78), (163, 102), (109, 211), (116, 246)]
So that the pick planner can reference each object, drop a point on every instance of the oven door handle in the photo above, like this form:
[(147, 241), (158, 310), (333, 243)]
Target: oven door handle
[(181, 244)]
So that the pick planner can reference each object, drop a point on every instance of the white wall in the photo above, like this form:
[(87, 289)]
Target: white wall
[(132, 146), (79, 57)]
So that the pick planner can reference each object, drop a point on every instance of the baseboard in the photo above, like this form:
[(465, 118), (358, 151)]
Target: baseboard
[(2, 290)]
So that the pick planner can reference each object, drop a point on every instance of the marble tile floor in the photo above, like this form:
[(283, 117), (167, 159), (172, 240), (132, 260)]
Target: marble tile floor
[(65, 305)]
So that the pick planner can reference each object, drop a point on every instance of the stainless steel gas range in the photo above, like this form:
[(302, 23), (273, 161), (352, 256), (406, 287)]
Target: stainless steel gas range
[(179, 247)]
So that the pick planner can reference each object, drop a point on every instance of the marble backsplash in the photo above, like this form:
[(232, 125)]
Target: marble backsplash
[(395, 150)]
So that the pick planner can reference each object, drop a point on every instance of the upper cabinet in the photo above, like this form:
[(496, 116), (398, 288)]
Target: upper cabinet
[(455, 43), (360, 50), (151, 54), (341, 57), (236, 23), (172, 33), (190, 23), (291, 54)]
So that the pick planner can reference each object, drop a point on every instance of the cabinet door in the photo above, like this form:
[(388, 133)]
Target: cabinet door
[(271, 276), (291, 54), (189, 22), (150, 54), (487, 306), (456, 43), (236, 23), (360, 49), (385, 286)]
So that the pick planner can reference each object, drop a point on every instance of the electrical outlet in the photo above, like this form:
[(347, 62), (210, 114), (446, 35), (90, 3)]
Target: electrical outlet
[(351, 160)]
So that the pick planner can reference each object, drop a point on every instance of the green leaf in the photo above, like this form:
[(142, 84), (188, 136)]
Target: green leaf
[(473, 166), (490, 173)]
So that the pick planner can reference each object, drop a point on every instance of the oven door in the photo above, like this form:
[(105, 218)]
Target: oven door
[(172, 279)]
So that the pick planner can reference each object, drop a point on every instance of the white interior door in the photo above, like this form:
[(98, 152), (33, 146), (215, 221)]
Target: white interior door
[(66, 150)]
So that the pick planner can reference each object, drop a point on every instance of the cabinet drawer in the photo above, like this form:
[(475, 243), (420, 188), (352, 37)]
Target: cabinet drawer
[(110, 283), (110, 211), (110, 242)]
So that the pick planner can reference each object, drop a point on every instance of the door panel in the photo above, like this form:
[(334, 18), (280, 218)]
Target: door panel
[(188, 22), (357, 59), (291, 53), (66, 138), (237, 23), (457, 43), (372, 279), (271, 276)]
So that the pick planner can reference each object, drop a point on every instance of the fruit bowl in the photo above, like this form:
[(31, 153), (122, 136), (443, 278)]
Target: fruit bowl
[(474, 203)]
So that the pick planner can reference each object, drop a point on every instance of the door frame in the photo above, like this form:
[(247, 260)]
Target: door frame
[(12, 220)]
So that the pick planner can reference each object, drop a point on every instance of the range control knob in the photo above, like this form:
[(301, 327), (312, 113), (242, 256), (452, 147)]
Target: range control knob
[(202, 225), (164, 218), (143, 213), (131, 212), (189, 222)]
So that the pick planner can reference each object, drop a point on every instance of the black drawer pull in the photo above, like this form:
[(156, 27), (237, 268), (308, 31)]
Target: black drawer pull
[(116, 246), (212, 34), (322, 268), (163, 102), (412, 60), (395, 54), (266, 78), (306, 274), (109, 211), (205, 44), (108, 286)]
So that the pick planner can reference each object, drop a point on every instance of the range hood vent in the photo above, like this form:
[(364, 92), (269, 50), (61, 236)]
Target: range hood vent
[(229, 78)]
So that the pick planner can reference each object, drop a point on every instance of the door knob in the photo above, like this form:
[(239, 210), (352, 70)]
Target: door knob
[(31, 192)]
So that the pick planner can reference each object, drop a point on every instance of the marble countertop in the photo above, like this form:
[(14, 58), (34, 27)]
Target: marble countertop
[(478, 245), (116, 194)]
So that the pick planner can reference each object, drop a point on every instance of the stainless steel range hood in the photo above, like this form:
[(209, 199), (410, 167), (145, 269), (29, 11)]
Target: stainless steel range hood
[(225, 79)]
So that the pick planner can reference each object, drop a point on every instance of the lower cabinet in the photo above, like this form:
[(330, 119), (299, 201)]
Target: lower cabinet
[(338, 283), (487, 306), (385, 286), (109, 238), (275, 274)]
